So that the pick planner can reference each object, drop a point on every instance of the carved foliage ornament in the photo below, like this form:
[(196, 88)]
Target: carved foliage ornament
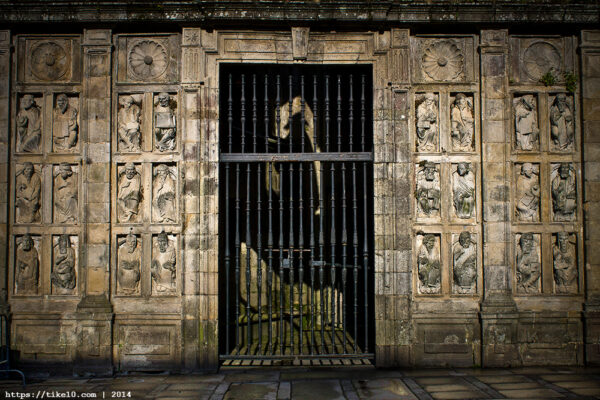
[(49, 61), (148, 59), (443, 61), (540, 58)]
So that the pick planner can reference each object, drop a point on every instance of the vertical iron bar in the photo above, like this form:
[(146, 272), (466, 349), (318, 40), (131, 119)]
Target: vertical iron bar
[(227, 244), (243, 112), (354, 241), (355, 248), (237, 255), (302, 131), (291, 238), (230, 114), (362, 114), (259, 258), (248, 260), (322, 228), (365, 257), (312, 260), (301, 249), (339, 113), (344, 249), (290, 112), (327, 119), (281, 326), (332, 255), (278, 116), (270, 235)]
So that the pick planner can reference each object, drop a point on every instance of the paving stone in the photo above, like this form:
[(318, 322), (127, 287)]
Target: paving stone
[(587, 392), (284, 392), (445, 388), (530, 393), (245, 391), (193, 386), (253, 376), (503, 379), (321, 389), (563, 377), (435, 381), (195, 394), (382, 389), (578, 384), (463, 394)]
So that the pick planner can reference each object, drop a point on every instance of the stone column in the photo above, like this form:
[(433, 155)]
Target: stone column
[(4, 152), (590, 85), (94, 312), (498, 310)]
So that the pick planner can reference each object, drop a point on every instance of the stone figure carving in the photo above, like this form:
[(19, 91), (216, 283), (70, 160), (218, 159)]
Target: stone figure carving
[(129, 194), (49, 61), (528, 264), (564, 192), (26, 266), (463, 191), (129, 258), (428, 261), (442, 61), (63, 266), (28, 194), (565, 263), (164, 192), (528, 194), (29, 125), (163, 265), (64, 124), (129, 125), (65, 195), (562, 129), (147, 59), (165, 123), (462, 123), (428, 190), (427, 124), (464, 256), (526, 124)]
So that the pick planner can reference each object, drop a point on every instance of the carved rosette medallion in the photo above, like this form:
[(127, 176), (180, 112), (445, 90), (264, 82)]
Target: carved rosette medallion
[(540, 58), (147, 59), (443, 61), (49, 61)]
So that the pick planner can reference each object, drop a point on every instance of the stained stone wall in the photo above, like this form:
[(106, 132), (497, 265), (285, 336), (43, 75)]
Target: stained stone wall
[(485, 193)]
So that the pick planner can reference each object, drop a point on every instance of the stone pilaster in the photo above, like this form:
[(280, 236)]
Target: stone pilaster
[(5, 48), (498, 311), (94, 312), (590, 85)]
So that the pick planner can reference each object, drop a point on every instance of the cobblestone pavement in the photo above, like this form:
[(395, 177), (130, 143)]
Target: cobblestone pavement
[(324, 383)]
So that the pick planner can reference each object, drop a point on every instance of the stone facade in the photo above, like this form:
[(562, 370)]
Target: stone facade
[(485, 174)]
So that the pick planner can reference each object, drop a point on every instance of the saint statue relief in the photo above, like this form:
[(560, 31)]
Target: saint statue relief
[(528, 264), (564, 193), (463, 191), (129, 258), (561, 123), (528, 194), (428, 190), (462, 125), (26, 266), (427, 124), (63, 266), (428, 261), (526, 124), (129, 194), (65, 195), (164, 195), (29, 125), (565, 264), (464, 256), (164, 269), (165, 123), (28, 193), (64, 124), (129, 124)]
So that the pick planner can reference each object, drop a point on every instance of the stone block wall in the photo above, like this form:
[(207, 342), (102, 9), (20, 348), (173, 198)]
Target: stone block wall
[(484, 175)]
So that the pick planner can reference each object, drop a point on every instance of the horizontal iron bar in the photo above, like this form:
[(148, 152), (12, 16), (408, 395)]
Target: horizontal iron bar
[(297, 356), (276, 157)]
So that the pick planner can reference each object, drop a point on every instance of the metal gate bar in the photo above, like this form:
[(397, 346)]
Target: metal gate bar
[(310, 297)]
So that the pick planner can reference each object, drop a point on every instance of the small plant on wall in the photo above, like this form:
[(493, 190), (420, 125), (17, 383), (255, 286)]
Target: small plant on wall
[(569, 78), (548, 79)]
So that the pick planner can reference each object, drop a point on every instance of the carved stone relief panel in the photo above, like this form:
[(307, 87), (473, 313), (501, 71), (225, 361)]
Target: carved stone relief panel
[(164, 193), (164, 264), (165, 121), (562, 122), (129, 193), (528, 263), (449, 59), (65, 193), (146, 59), (129, 259), (129, 123), (64, 264), (564, 191), (428, 263), (427, 192), (463, 190), (464, 263), (65, 123), (29, 123), (527, 192), (462, 122), (532, 58), (527, 132), (43, 60), (564, 256), (28, 193), (427, 122), (27, 264)]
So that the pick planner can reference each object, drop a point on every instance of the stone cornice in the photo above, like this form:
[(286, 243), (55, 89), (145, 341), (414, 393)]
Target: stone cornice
[(353, 12)]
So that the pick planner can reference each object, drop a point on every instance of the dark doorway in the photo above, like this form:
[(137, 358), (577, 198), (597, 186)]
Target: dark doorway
[(295, 213)]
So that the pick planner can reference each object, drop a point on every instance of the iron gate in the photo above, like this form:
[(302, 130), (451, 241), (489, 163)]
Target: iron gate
[(295, 212)]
